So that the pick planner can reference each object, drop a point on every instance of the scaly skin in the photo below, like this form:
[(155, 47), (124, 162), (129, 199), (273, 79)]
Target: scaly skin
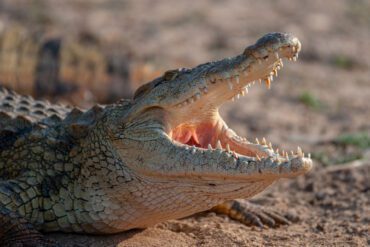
[(163, 155)]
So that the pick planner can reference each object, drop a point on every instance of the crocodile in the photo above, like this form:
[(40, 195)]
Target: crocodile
[(164, 154)]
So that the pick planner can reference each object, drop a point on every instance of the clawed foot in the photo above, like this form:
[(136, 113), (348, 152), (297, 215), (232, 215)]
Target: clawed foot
[(252, 214)]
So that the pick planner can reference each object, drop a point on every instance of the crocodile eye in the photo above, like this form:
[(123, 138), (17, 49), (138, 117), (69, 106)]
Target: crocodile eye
[(143, 90), (171, 74)]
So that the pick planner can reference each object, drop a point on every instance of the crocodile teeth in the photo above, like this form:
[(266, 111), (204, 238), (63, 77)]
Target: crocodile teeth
[(237, 96), (257, 141), (264, 142), (237, 79), (228, 147), (258, 158), (268, 82), (242, 92), (294, 58), (209, 146), (218, 145), (276, 55), (299, 151)]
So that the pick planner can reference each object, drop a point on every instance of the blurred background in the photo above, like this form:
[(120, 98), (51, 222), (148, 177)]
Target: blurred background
[(98, 51)]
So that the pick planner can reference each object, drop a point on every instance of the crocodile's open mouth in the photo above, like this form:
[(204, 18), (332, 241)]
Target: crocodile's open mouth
[(210, 131)]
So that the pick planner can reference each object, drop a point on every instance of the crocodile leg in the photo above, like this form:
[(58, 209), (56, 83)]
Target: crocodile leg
[(251, 214), (15, 229)]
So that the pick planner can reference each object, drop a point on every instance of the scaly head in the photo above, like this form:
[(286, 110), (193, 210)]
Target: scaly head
[(191, 98), (184, 157)]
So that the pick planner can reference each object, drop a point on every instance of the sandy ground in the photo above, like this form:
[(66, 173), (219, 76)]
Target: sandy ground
[(312, 102)]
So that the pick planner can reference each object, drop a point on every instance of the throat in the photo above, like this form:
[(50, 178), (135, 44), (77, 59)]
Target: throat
[(199, 135)]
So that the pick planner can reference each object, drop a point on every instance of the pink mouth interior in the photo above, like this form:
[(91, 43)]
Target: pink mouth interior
[(203, 134)]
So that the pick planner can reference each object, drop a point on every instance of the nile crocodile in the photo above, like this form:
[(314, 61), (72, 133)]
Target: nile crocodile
[(164, 154)]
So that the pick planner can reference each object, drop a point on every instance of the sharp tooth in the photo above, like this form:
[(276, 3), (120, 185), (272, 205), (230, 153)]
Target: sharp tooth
[(260, 81), (230, 84), (228, 147), (258, 158), (270, 145), (275, 72), (271, 77), (290, 59), (257, 141), (294, 58), (276, 55), (254, 82), (293, 48), (264, 142), (218, 145), (237, 79), (291, 152), (299, 151), (309, 155), (287, 156), (281, 63), (246, 90), (268, 82), (237, 96), (278, 67), (209, 146), (242, 92)]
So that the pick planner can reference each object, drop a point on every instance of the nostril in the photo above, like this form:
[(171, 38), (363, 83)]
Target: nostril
[(265, 57)]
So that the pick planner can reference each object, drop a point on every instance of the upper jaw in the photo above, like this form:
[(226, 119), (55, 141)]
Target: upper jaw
[(230, 78)]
